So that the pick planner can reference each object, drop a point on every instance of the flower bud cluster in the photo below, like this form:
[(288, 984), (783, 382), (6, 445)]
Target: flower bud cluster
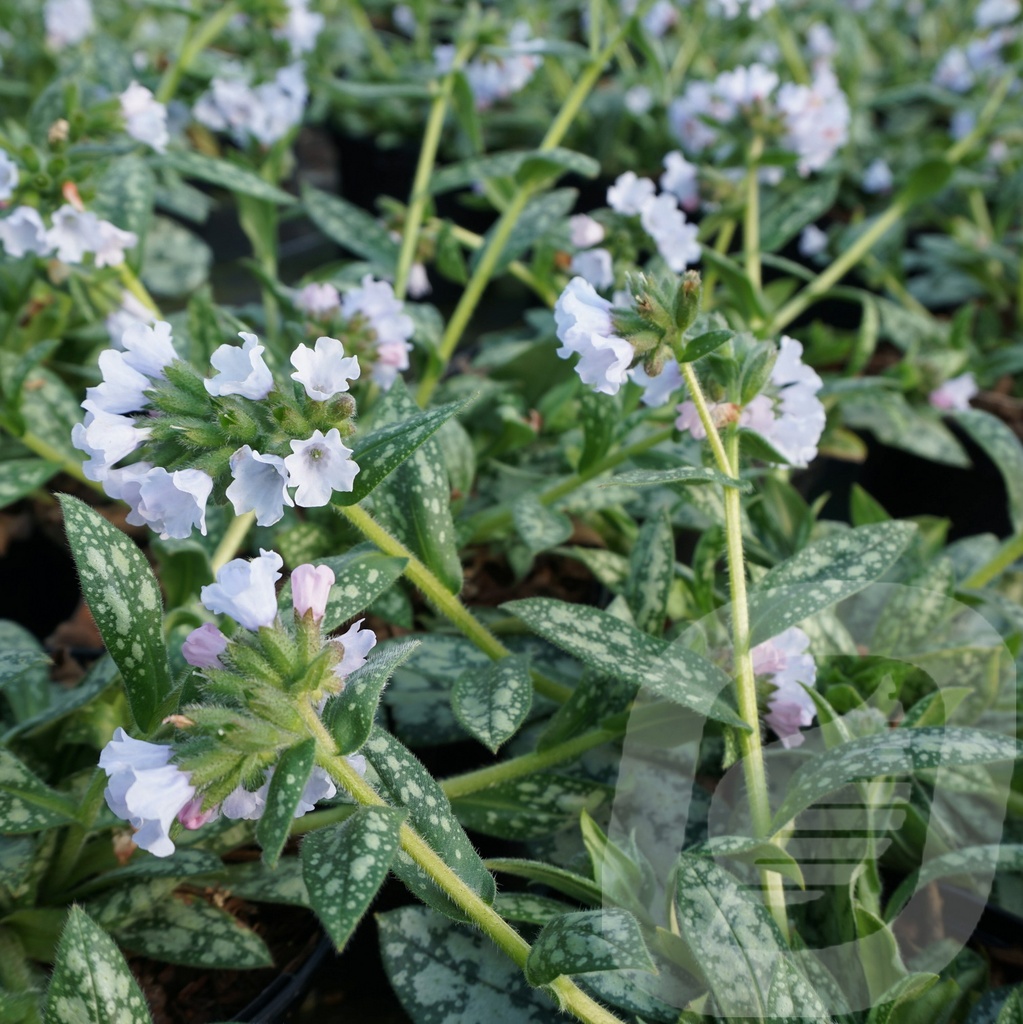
[(252, 683), (236, 433)]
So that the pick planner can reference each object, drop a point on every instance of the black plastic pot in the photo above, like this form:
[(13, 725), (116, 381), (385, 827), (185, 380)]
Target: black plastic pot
[(286, 991)]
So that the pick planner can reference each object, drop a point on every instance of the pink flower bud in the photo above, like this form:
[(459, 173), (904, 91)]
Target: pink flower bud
[(310, 585), (203, 646), (192, 816)]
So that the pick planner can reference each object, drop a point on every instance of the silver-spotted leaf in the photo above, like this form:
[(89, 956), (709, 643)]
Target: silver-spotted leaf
[(651, 574), (349, 715), (824, 573), (282, 800), (408, 784), (224, 174), (493, 701), (540, 527), (124, 599), (27, 804), (91, 983), (621, 651), (19, 477), (344, 866), (444, 973), (1005, 451), (587, 941), (351, 227)]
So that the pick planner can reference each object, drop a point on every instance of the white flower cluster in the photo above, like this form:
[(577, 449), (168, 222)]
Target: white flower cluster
[(371, 307), (173, 503), (790, 417), (660, 215), (266, 112), (67, 22), (585, 329), (813, 120), (302, 27), (961, 67), (145, 787), (74, 232), (495, 77), (786, 661), (591, 263), (145, 118)]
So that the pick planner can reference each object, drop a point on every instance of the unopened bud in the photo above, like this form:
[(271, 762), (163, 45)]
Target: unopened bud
[(59, 132), (687, 300), (655, 362), (69, 190)]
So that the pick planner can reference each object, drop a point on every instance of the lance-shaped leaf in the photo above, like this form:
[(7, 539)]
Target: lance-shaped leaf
[(541, 214), (678, 475), (91, 983), (508, 164), (253, 880), (196, 934), (233, 177), (578, 887), (651, 573), (124, 599), (360, 577), (181, 865), (585, 942), (408, 784), (731, 936), (351, 227), (349, 715), (824, 573), (1005, 451), (19, 477), (538, 525), (344, 866), (493, 702), (784, 219), (896, 752), (444, 973), (617, 649), (27, 804), (382, 451), (282, 800)]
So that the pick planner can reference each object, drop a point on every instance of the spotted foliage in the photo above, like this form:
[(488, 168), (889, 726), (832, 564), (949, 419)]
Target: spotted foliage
[(493, 701)]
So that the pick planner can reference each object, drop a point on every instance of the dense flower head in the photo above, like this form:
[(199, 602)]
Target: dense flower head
[(375, 307), (324, 371), (785, 661), (585, 328), (496, 75), (319, 300), (74, 233), (265, 113)]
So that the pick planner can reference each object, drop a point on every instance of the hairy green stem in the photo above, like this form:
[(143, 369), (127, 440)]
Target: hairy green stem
[(751, 216), (424, 169), (516, 268), (76, 834), (487, 524), (70, 466), (448, 604), (192, 45), (488, 920), (505, 225), (131, 282), (750, 745)]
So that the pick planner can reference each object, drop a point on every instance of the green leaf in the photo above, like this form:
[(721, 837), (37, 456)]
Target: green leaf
[(757, 852), (349, 715), (600, 423), (414, 502), (345, 865), (282, 800), (91, 983), (48, 408), (124, 599), (545, 167), (176, 262), (1012, 1010), (824, 573), (381, 451), (27, 804), (351, 227), (447, 974), (1003, 447), (587, 941), (491, 704), (508, 164), (616, 649), (531, 807), (893, 421), (539, 526), (255, 881), (408, 784), (529, 907), (781, 221), (704, 344), (731, 935), (925, 180), (360, 576), (575, 886), (681, 474), (18, 661), (182, 864), (192, 932), (736, 281), (906, 990), (124, 196), (895, 752), (651, 574), (224, 174)]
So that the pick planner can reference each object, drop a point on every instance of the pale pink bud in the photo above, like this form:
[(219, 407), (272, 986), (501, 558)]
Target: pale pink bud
[(192, 816), (310, 586), (203, 646)]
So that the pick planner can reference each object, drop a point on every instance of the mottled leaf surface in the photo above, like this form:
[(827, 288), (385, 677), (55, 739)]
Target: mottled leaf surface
[(224, 174), (344, 866), (351, 227), (124, 599), (651, 574), (444, 973), (539, 526), (27, 804), (493, 701), (1005, 451), (19, 477), (587, 941), (91, 983)]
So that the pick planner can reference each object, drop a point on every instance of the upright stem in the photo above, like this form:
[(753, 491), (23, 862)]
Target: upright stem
[(751, 217), (70, 466), (442, 599), (487, 264), (464, 896), (192, 45), (754, 769), (230, 544), (424, 169)]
